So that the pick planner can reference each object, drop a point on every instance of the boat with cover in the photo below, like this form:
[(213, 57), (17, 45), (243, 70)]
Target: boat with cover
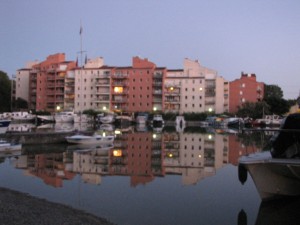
[(89, 139), (276, 173)]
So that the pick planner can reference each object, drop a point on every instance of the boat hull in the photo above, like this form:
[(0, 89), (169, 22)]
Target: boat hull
[(273, 178), (4, 123), (89, 140)]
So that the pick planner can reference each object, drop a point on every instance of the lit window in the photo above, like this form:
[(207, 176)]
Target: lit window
[(118, 89)]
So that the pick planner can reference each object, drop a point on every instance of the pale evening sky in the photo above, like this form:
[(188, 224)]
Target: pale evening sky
[(229, 36)]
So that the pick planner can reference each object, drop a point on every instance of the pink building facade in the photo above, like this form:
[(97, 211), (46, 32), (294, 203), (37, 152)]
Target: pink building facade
[(137, 88), (245, 89)]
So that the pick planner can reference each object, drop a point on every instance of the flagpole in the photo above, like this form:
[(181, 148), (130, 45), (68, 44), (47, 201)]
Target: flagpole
[(81, 70)]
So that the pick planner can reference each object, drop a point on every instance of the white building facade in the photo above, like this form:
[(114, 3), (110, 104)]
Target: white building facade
[(194, 89)]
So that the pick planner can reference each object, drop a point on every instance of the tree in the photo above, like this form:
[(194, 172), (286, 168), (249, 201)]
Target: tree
[(273, 96), (5, 92), (253, 110), (21, 103), (278, 106), (273, 91)]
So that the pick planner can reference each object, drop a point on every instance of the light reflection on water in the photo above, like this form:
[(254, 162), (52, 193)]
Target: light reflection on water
[(166, 178)]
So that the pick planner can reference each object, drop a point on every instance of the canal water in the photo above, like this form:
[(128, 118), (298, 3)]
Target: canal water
[(149, 177)]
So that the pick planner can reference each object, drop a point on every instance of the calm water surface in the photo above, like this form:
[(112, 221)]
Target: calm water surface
[(147, 178)]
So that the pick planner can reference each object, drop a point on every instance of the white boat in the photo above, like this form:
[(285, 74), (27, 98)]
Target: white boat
[(269, 120), (89, 139), (107, 118), (22, 116), (233, 122), (83, 118), (276, 173), (64, 117), (20, 127), (142, 118), (273, 177), (158, 120), (107, 127), (9, 149)]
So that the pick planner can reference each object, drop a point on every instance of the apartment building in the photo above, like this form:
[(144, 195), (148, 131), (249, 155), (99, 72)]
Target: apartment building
[(92, 86), (244, 89), (47, 83), (137, 88), (195, 89), (22, 81), (56, 84)]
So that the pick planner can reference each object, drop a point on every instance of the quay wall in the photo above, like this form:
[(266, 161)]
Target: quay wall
[(36, 138)]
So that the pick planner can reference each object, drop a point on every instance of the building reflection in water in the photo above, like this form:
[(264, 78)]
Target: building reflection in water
[(140, 155)]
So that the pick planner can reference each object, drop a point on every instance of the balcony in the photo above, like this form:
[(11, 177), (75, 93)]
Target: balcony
[(172, 102), (157, 100), (119, 76), (50, 100), (69, 92), (119, 83), (102, 83), (158, 75), (69, 100), (101, 99), (157, 92), (60, 84), (157, 83), (70, 84), (210, 102), (210, 94), (172, 93), (119, 100), (124, 92)]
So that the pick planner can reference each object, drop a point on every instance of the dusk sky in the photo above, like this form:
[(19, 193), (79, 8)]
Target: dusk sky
[(229, 36)]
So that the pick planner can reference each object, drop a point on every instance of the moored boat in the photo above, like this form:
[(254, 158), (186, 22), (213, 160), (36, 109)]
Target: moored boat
[(107, 118), (276, 173), (7, 148), (4, 122), (89, 139), (22, 116), (64, 117)]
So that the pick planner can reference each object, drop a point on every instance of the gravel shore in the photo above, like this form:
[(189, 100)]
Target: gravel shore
[(18, 208)]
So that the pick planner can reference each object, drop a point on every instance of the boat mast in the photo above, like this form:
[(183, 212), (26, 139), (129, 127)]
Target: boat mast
[(81, 70)]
